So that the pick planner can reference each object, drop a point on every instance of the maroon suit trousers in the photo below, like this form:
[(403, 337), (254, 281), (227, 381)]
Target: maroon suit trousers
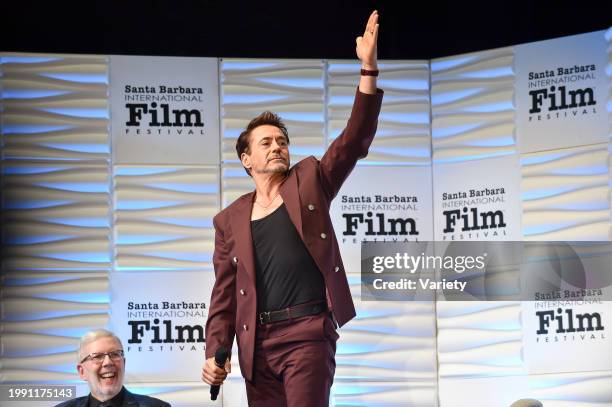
[(294, 363)]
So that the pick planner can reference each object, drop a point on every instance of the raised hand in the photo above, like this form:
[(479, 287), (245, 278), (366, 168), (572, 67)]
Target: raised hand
[(366, 44)]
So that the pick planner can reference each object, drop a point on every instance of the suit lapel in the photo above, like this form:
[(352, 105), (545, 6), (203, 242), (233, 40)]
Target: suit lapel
[(241, 228), (129, 400), (291, 197)]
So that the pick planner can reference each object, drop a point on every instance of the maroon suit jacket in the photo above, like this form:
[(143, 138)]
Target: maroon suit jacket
[(307, 193)]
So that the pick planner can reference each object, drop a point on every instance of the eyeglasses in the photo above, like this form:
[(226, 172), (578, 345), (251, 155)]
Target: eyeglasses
[(114, 355)]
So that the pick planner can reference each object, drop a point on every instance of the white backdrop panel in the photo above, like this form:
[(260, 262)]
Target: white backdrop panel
[(479, 338), (388, 191), (55, 106), (163, 217), (55, 215), (561, 92), (565, 192), (472, 105), (161, 323), (165, 110), (568, 339), (477, 200)]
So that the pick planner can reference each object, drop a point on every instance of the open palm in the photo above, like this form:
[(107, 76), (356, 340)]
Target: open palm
[(366, 44)]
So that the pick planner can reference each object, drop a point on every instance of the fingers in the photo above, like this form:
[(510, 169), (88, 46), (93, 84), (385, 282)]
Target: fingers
[(213, 374), (369, 24), (372, 21), (212, 380), (213, 377), (366, 44), (375, 35)]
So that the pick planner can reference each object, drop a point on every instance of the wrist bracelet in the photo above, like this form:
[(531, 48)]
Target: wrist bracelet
[(365, 72)]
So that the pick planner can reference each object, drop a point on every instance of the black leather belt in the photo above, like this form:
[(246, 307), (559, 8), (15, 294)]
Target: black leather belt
[(296, 311)]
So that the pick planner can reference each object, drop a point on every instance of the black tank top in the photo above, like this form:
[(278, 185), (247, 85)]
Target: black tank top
[(286, 273)]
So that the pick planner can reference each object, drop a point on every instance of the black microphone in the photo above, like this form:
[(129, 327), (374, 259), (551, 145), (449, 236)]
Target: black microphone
[(220, 358)]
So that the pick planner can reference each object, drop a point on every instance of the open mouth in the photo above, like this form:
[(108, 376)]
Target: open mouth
[(108, 375)]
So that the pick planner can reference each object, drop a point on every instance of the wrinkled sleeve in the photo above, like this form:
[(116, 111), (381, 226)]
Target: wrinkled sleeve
[(220, 326), (352, 144)]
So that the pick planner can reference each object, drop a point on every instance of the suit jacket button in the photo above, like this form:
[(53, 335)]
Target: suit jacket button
[(311, 207), (242, 292), (245, 327), (323, 236), (336, 269), (235, 259)]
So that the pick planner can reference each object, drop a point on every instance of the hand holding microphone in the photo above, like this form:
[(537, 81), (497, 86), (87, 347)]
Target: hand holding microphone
[(215, 371)]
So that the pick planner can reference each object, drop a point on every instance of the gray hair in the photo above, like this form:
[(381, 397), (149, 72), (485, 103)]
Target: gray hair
[(93, 336)]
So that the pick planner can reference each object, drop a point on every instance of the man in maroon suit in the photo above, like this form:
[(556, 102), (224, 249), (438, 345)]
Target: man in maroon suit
[(280, 286)]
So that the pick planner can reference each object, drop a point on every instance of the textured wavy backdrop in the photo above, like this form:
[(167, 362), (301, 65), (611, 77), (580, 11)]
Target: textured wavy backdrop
[(70, 217)]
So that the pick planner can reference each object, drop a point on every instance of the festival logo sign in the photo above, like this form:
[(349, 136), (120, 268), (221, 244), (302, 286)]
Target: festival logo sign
[(160, 318), (164, 110), (561, 92), (570, 332), (568, 315), (478, 200), (382, 204)]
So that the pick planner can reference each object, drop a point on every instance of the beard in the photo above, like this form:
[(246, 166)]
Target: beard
[(106, 391), (280, 167), (275, 170)]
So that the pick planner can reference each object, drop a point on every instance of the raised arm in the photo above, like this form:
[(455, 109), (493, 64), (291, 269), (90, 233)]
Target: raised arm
[(354, 141)]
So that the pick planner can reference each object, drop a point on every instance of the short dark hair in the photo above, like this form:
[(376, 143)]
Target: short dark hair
[(267, 117)]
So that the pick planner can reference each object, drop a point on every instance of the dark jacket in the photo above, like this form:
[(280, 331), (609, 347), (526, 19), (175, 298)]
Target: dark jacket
[(307, 193), (129, 400)]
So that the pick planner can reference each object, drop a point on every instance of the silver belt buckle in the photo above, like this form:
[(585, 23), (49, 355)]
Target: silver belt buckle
[(261, 316)]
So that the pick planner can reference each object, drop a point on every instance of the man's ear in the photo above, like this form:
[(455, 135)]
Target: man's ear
[(246, 160), (81, 371)]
